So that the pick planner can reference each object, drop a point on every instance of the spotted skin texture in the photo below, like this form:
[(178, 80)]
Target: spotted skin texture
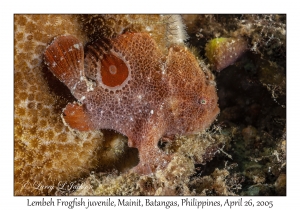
[(152, 95)]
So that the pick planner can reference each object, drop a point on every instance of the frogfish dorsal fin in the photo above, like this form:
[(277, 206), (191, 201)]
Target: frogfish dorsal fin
[(65, 59), (75, 116)]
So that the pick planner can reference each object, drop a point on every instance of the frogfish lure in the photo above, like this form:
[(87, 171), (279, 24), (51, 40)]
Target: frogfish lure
[(128, 85)]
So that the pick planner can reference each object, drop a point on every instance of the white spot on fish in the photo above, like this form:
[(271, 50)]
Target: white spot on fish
[(76, 46), (82, 98), (54, 64)]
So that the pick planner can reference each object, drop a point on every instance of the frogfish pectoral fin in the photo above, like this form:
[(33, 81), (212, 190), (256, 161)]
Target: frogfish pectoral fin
[(65, 59), (75, 117), (151, 158)]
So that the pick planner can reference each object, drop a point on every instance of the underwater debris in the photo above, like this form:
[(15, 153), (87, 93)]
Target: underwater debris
[(222, 52)]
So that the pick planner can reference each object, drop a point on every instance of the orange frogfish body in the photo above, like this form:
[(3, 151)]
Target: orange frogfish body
[(127, 84)]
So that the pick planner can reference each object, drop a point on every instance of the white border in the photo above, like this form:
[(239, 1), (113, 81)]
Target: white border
[(8, 8)]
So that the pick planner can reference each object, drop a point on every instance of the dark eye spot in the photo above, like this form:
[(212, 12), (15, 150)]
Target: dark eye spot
[(200, 101)]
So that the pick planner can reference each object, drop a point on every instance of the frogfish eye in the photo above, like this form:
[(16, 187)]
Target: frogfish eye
[(202, 101)]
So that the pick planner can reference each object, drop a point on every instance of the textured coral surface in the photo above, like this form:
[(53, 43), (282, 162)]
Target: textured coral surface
[(42, 143), (46, 151)]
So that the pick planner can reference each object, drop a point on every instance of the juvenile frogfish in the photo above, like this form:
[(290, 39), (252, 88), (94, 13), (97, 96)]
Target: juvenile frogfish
[(128, 85)]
